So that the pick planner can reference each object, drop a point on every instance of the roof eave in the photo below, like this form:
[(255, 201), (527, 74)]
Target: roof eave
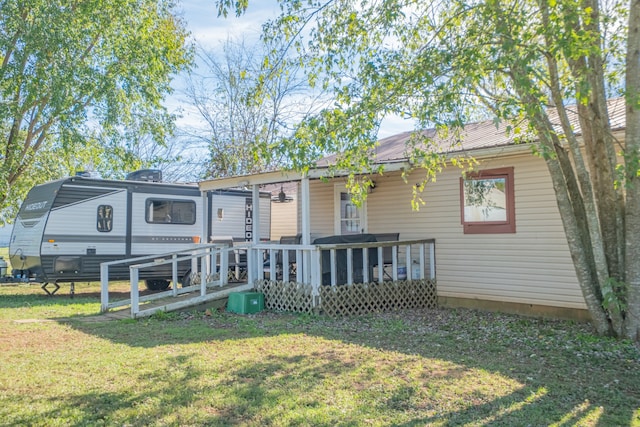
[(275, 177)]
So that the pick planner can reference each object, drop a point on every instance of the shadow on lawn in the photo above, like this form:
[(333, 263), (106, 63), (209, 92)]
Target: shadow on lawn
[(30, 295), (261, 393), (563, 378), (174, 387)]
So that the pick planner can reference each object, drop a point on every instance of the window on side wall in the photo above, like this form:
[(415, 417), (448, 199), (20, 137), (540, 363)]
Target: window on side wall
[(487, 202), (104, 222), (165, 211)]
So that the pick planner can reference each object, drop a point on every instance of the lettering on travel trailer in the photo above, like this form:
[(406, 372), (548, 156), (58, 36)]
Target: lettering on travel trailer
[(66, 228)]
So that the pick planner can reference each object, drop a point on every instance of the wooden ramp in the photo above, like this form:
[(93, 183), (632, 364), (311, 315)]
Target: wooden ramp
[(180, 302)]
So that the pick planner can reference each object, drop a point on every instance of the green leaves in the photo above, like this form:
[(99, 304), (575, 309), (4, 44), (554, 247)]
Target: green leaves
[(239, 6), (70, 72)]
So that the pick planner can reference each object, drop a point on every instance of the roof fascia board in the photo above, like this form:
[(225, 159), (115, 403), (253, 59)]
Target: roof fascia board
[(276, 177)]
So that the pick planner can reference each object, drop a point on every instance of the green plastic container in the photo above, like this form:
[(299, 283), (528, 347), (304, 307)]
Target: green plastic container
[(245, 302)]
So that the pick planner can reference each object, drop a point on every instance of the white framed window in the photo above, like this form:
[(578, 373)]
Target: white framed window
[(348, 217)]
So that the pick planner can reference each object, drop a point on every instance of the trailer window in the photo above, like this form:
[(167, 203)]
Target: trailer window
[(105, 218), (171, 211)]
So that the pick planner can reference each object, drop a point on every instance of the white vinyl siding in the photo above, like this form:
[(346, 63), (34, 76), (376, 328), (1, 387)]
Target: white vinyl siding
[(531, 266), (284, 219), (321, 208)]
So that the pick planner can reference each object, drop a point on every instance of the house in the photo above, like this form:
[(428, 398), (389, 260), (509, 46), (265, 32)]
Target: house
[(498, 236)]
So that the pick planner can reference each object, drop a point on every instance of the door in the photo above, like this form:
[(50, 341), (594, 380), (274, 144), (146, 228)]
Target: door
[(349, 218)]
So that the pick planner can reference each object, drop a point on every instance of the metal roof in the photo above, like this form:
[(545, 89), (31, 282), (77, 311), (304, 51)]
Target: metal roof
[(485, 136), (482, 135)]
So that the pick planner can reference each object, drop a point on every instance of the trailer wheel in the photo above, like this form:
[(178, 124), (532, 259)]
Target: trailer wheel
[(157, 284)]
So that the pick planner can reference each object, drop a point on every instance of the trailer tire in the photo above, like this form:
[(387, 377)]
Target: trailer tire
[(157, 284)]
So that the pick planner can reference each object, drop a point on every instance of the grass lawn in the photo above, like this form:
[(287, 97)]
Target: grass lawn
[(60, 366)]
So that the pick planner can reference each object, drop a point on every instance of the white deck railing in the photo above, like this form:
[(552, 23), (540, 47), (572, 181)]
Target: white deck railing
[(316, 265), (338, 264)]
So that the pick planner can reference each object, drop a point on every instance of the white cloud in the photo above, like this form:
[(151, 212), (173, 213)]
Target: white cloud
[(210, 32)]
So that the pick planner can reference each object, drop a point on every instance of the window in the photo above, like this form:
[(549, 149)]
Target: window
[(349, 215), (165, 211), (104, 222), (350, 219), (487, 203)]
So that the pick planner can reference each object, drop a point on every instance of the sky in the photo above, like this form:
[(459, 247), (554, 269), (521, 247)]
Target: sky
[(210, 31)]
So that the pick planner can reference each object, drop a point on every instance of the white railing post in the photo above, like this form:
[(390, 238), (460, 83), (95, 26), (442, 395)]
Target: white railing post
[(334, 280), (203, 274), (207, 266), (135, 294), (104, 288), (394, 262), (174, 274), (432, 260), (408, 261), (349, 266), (421, 262), (299, 266), (285, 265), (253, 269), (224, 264), (273, 265), (314, 269), (365, 265), (259, 268), (194, 268), (380, 265)]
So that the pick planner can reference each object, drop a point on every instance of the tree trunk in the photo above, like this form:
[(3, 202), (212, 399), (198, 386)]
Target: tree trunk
[(588, 270), (632, 144)]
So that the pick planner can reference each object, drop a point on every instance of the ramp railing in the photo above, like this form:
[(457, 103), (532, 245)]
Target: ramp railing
[(207, 266)]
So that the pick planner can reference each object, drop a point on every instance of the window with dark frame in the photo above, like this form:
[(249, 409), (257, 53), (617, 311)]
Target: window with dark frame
[(167, 211), (104, 222), (487, 202)]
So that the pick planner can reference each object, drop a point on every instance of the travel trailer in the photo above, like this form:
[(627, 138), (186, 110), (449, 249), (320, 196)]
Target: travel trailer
[(66, 228)]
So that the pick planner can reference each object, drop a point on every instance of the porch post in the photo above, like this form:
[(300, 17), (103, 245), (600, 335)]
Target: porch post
[(255, 230), (307, 271), (252, 259), (305, 208)]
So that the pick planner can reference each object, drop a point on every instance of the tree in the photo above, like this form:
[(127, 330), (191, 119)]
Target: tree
[(521, 60), (82, 80), (246, 111)]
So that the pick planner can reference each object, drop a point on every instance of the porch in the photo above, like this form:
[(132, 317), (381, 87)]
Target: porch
[(334, 279), (340, 279)]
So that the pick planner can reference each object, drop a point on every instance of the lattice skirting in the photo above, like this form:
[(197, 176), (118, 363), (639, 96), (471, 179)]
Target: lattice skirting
[(377, 297), (286, 296), (350, 300)]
